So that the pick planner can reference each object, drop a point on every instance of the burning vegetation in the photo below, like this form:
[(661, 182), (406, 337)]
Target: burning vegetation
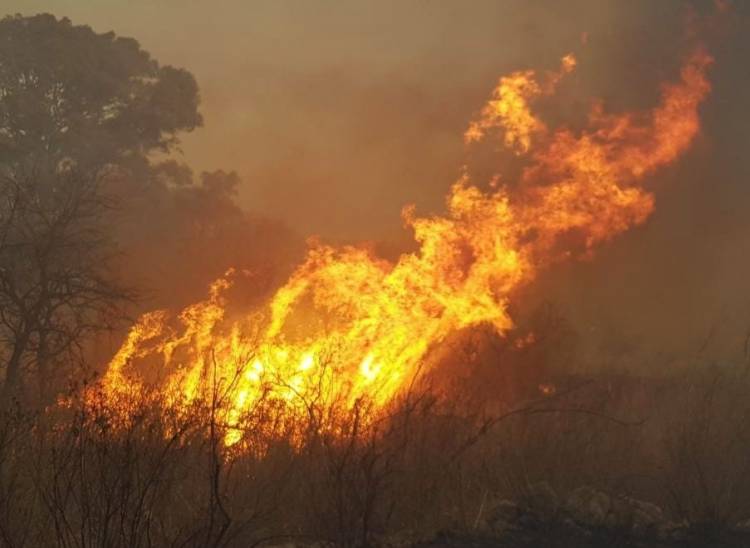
[(349, 329), (331, 395)]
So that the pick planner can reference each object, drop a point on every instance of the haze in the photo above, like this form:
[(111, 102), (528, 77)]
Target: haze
[(337, 114)]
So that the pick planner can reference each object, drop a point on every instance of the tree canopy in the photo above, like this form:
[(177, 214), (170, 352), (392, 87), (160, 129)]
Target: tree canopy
[(78, 110), (68, 94)]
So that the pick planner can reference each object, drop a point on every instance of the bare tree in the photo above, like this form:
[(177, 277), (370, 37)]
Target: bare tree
[(80, 114), (55, 280)]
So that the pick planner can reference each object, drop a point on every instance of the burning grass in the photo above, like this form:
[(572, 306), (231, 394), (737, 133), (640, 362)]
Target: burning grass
[(349, 328)]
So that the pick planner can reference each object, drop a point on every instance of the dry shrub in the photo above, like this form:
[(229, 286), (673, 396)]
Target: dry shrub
[(75, 476)]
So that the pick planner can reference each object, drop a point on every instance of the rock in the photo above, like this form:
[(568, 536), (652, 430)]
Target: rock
[(574, 529), (637, 516), (588, 507), (620, 514), (503, 516), (646, 516), (542, 501), (587, 514), (671, 531)]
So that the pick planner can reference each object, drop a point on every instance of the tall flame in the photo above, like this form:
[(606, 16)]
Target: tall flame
[(348, 326)]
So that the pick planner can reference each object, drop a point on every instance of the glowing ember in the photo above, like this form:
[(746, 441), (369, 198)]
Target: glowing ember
[(348, 327)]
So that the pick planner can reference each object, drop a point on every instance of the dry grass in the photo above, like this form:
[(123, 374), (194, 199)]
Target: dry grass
[(70, 478)]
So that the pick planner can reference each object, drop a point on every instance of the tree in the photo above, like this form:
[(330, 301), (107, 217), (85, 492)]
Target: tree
[(69, 94), (81, 114)]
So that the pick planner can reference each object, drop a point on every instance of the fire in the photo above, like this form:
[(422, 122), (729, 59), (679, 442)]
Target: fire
[(509, 107), (349, 327)]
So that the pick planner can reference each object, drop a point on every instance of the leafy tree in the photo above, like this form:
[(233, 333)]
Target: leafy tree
[(68, 94), (81, 114)]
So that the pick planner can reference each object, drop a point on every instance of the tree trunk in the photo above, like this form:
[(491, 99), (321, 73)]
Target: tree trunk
[(42, 372), (12, 385)]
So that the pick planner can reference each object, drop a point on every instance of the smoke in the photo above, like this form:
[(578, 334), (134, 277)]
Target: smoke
[(337, 115), (177, 238), (348, 327)]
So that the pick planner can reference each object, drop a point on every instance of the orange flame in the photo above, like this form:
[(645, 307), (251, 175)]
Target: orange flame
[(348, 326), (509, 107)]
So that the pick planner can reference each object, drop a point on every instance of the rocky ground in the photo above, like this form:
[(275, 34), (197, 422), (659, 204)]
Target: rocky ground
[(588, 518)]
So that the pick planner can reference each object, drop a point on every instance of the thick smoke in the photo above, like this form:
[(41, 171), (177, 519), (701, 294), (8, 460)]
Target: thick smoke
[(337, 116)]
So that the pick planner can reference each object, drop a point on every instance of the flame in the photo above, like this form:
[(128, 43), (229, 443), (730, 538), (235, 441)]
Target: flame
[(349, 327), (509, 107)]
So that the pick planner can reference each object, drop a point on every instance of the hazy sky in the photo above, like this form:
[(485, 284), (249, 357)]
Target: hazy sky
[(337, 114)]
